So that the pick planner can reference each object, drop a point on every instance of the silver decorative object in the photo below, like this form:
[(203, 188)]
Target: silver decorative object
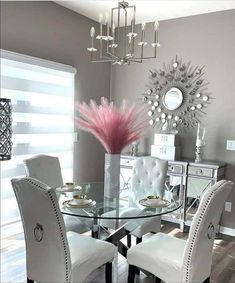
[(179, 93), (199, 154), (5, 129), (200, 143), (118, 46)]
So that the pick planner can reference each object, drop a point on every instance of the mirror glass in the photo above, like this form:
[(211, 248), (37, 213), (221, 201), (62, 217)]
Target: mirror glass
[(173, 98)]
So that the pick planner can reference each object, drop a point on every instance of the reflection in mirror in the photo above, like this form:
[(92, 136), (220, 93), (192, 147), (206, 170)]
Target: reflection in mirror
[(173, 98)]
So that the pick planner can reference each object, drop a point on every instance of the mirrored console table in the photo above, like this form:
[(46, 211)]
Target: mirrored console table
[(186, 180)]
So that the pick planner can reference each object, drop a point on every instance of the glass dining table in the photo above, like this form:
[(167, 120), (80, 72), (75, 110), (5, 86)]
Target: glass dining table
[(120, 211)]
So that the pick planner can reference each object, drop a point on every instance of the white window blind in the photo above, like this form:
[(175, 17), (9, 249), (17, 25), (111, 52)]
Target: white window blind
[(42, 95)]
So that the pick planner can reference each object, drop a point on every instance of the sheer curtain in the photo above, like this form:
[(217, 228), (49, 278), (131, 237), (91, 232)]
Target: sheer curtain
[(42, 95)]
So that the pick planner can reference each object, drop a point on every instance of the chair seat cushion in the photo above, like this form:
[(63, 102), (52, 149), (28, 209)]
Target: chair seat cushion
[(87, 254), (162, 254)]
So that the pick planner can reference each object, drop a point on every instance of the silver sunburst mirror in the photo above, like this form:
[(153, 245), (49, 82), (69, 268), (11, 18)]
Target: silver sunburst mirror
[(177, 96)]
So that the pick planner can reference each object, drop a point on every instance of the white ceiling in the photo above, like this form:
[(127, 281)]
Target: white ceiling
[(149, 11)]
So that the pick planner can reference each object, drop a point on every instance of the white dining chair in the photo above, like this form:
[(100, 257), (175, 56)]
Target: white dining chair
[(148, 178), (52, 255), (184, 261), (47, 169)]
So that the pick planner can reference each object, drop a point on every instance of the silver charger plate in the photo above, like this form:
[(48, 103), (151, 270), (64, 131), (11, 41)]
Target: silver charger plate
[(144, 202)]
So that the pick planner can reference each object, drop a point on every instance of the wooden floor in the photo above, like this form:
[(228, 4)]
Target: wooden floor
[(13, 260)]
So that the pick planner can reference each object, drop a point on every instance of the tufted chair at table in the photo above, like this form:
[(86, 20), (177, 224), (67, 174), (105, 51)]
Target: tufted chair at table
[(47, 169), (176, 260), (52, 255), (148, 178)]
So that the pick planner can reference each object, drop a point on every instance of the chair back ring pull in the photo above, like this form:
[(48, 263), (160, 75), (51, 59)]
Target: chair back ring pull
[(210, 231), (38, 232)]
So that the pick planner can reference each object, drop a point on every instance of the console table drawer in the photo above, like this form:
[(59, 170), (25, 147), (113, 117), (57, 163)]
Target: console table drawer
[(174, 168), (200, 171)]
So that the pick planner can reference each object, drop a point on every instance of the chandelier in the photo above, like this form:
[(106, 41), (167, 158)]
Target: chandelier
[(116, 38)]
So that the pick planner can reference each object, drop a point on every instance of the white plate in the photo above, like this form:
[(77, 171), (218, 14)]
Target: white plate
[(160, 203), (64, 189), (83, 201), (71, 203)]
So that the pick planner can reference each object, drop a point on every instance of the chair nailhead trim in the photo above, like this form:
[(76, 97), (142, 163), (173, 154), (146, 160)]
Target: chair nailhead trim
[(60, 227), (195, 234)]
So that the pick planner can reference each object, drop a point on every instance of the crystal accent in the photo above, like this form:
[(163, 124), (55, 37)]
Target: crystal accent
[(143, 43), (155, 44), (91, 49)]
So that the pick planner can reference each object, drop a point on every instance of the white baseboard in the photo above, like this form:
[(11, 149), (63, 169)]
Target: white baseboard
[(227, 231)]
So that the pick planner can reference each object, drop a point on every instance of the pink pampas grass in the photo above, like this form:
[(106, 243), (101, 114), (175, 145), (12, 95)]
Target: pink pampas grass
[(114, 128)]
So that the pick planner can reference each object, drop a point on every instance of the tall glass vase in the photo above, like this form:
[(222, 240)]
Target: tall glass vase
[(112, 175)]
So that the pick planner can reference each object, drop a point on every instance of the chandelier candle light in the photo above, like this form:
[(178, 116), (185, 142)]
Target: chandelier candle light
[(115, 129), (110, 45)]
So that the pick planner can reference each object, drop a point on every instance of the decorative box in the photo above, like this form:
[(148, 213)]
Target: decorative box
[(166, 139), (165, 152)]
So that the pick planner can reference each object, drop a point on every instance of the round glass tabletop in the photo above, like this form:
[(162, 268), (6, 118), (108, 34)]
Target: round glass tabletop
[(93, 203)]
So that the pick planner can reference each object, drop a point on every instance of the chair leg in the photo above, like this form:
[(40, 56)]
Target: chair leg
[(108, 272), (29, 280), (157, 280), (128, 240), (138, 240), (131, 273), (207, 280)]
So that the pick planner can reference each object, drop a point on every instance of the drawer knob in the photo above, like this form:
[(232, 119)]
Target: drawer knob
[(171, 168), (199, 171)]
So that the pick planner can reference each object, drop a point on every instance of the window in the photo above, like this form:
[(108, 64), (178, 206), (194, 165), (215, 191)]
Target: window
[(42, 95)]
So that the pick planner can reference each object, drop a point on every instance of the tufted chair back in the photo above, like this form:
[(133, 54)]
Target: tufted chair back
[(47, 251), (44, 168), (148, 177), (198, 250)]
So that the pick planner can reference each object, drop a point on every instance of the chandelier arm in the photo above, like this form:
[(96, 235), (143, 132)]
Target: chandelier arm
[(142, 52), (155, 42), (142, 58), (133, 39), (107, 49), (102, 61), (101, 48), (118, 40), (107, 57), (112, 55), (125, 32), (135, 60)]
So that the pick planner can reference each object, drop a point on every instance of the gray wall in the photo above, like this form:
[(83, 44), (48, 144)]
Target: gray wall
[(204, 40), (50, 31)]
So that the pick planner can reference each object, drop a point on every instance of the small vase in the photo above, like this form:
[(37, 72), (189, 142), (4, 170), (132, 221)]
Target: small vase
[(112, 175)]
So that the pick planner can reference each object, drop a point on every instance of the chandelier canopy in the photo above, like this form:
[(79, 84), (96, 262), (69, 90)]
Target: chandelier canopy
[(117, 37)]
